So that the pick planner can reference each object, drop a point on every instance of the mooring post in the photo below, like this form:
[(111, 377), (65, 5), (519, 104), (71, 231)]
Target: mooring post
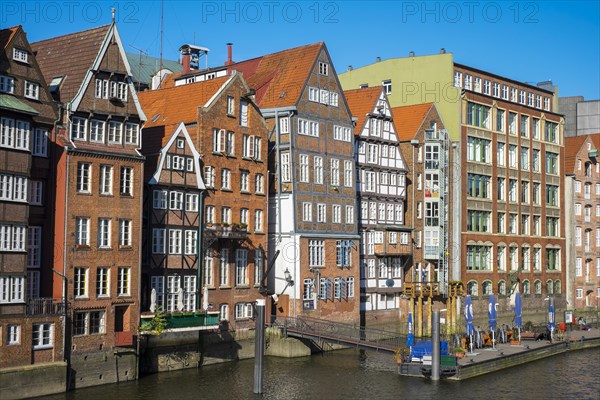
[(259, 345), (435, 345)]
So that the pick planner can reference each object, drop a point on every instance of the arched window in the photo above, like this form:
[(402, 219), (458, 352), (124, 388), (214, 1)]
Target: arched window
[(526, 288), (537, 286), (472, 288), (549, 286), (502, 288), (557, 286), (487, 288)]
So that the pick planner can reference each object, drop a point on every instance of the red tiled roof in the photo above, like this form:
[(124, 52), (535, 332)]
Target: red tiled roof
[(69, 56), (7, 34), (573, 145), (362, 102), (408, 119), (168, 107), (279, 78)]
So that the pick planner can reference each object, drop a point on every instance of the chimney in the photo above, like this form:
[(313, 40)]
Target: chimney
[(229, 54), (185, 61), (411, 54), (442, 51), (378, 59)]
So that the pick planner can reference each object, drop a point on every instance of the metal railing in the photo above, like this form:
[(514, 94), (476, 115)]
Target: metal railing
[(45, 306), (341, 333)]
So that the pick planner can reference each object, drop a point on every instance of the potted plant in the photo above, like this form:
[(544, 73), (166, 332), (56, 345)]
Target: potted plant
[(459, 352)]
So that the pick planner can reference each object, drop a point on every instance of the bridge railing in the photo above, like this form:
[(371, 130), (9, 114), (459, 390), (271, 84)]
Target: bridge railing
[(342, 332)]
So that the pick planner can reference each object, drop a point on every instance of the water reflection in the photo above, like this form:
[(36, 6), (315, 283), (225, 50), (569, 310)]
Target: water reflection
[(354, 374)]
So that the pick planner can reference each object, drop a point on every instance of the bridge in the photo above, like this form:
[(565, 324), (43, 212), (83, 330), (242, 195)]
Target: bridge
[(340, 333)]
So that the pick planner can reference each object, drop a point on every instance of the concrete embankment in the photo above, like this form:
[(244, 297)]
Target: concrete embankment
[(33, 380)]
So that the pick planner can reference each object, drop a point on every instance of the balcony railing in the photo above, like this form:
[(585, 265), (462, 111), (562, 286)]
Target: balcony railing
[(226, 232), (45, 306), (209, 319)]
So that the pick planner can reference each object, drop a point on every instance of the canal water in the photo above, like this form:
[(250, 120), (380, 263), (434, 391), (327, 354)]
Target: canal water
[(355, 374)]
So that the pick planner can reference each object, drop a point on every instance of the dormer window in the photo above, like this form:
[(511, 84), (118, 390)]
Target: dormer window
[(180, 143), (230, 106), (20, 55), (387, 86)]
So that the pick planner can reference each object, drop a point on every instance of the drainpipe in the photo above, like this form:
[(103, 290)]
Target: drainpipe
[(199, 248)]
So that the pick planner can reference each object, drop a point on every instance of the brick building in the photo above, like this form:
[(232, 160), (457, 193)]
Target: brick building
[(99, 180), (312, 200), (228, 131), (582, 212), (31, 323), (386, 244)]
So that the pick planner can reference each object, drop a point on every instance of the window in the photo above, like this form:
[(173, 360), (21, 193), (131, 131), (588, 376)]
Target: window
[(225, 179), (224, 267), (552, 259), (486, 87), (316, 253), (106, 178), (524, 192), (102, 281), (477, 150), (496, 87), (307, 127), (468, 82), (524, 126), (158, 241), (479, 258), (477, 84), (535, 162), (336, 211), (501, 120), (551, 163), (225, 215), (501, 222), (230, 106), (191, 242), (551, 132), (477, 221), (284, 125), (458, 79), (303, 168), (209, 177), (12, 289), (88, 323), (258, 221), (104, 233), (175, 200), (244, 181), (125, 232), (14, 334), (84, 177), (334, 178), (478, 115), (552, 195), (323, 68), (78, 128), (244, 310), (115, 131), (342, 253), (159, 200), (82, 231), (387, 86), (478, 186), (259, 184), (318, 169), (123, 279), (512, 224), (501, 256), (32, 90), (524, 158), (97, 131), (251, 147), (43, 336), (307, 212), (285, 167), (313, 94), (342, 133), (174, 241), (132, 133), (512, 123), (512, 190), (13, 188), (80, 280), (7, 84), (349, 214), (126, 186), (308, 289), (244, 113), (348, 173), (241, 267), (552, 226)]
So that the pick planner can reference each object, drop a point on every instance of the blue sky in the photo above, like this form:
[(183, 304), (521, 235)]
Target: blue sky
[(529, 41)]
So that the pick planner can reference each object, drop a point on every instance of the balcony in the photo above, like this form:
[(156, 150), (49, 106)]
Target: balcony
[(45, 306), (231, 232), (427, 289), (386, 249), (183, 321), (431, 252)]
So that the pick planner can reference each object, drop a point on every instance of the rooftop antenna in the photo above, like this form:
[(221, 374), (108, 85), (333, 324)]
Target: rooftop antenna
[(162, 12), (139, 65)]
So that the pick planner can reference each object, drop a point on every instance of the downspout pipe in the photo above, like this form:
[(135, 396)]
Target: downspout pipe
[(199, 248)]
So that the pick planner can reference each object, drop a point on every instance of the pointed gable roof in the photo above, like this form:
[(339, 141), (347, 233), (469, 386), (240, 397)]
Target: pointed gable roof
[(573, 145), (7, 34), (169, 107), (361, 103), (408, 119), (70, 56), (279, 78)]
